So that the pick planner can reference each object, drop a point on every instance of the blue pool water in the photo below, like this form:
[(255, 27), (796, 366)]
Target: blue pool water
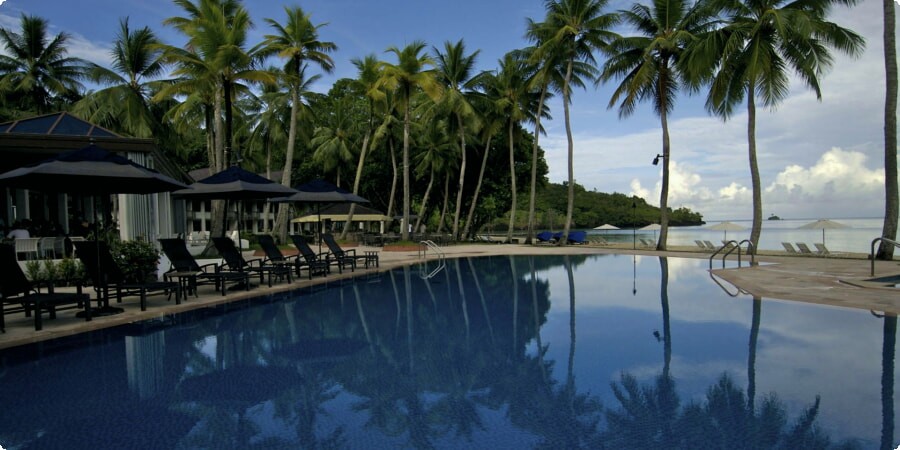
[(488, 353)]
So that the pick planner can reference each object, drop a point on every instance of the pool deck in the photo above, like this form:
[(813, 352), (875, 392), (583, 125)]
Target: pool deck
[(843, 282)]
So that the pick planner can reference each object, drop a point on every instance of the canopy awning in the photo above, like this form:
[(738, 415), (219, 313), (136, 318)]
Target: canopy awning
[(339, 212)]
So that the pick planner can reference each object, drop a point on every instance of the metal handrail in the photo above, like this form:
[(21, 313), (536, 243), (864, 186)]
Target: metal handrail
[(739, 290), (430, 245), (731, 246), (872, 253)]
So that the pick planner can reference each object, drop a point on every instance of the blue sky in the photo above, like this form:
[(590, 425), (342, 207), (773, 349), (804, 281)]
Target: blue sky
[(817, 159)]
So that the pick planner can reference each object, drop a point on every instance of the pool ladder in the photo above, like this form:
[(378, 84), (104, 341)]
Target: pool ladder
[(730, 247), (427, 245)]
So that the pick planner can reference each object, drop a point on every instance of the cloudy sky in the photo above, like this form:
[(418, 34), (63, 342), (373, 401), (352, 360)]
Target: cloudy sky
[(817, 158)]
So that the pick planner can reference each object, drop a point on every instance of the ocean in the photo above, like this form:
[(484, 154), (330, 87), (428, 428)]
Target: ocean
[(857, 237)]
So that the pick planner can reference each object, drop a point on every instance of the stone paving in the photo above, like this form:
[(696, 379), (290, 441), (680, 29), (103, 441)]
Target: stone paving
[(842, 282)]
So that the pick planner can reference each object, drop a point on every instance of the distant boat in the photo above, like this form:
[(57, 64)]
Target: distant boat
[(774, 217)]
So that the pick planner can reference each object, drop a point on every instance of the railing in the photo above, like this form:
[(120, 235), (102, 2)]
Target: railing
[(730, 247), (872, 253), (735, 294), (427, 245)]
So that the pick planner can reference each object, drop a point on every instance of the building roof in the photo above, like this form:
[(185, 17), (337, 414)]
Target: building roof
[(58, 124)]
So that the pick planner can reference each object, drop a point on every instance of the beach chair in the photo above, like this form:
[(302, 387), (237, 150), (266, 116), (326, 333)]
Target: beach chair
[(190, 274), (347, 258), (314, 263), (235, 262), (823, 250), (700, 244), (648, 242), (710, 245), (804, 249), (273, 253), (17, 290), (789, 248), (105, 274)]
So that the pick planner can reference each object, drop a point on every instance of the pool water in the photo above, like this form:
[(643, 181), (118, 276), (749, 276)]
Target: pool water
[(610, 351)]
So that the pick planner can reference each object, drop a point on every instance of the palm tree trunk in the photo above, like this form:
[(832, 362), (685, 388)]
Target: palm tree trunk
[(282, 219), (404, 223), (425, 200), (570, 206), (446, 201), (888, 346), (217, 207), (664, 192), (390, 209), (474, 203), (462, 175), (359, 169), (751, 357), (754, 168), (512, 183), (891, 195), (529, 233), (229, 126)]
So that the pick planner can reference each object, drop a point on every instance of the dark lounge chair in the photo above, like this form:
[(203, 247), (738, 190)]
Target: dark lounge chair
[(16, 289), (347, 257), (105, 274), (191, 274), (314, 263), (235, 262)]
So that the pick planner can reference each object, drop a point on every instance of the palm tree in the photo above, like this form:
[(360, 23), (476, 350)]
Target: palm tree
[(649, 67), (579, 28), (891, 194), (35, 70), (298, 42), (762, 41), (332, 142), (125, 104), (367, 78), (491, 123), (433, 159), (409, 75), (454, 70)]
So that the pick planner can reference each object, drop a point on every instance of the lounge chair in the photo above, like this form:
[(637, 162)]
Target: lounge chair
[(314, 263), (16, 289), (789, 248), (273, 253), (105, 273), (823, 250), (710, 245), (804, 249), (700, 244), (235, 262), (191, 274), (341, 254), (648, 242)]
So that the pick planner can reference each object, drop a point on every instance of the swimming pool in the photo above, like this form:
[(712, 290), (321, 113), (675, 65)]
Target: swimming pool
[(487, 353)]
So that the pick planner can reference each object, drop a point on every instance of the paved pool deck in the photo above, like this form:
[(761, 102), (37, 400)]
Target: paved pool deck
[(837, 281)]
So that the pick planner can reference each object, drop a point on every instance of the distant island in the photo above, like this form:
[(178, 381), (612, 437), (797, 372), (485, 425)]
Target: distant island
[(774, 217)]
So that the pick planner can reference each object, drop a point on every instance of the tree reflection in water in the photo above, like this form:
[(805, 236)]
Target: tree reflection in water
[(422, 363)]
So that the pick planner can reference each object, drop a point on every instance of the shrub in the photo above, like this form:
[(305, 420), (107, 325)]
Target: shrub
[(68, 270), (51, 271), (137, 259), (33, 270)]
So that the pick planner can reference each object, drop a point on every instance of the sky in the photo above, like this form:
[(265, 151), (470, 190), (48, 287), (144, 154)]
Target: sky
[(817, 159)]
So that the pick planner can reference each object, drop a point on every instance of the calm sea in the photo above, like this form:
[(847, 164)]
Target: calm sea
[(857, 237)]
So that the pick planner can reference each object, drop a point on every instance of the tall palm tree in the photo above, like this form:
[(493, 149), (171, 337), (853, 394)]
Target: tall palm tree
[(125, 104), (579, 28), (433, 160), (891, 193), (368, 73), (515, 101), (298, 42), (648, 65), (332, 142), (491, 123), (35, 69), (410, 74), (762, 41), (455, 71)]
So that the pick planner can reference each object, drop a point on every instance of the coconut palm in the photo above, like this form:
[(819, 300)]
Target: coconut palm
[(35, 70), (332, 142), (648, 65), (125, 104), (298, 42), (455, 71), (410, 74), (891, 193), (437, 150), (579, 28), (761, 43), (491, 123)]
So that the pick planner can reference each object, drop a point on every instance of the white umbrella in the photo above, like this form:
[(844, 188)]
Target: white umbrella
[(726, 227), (606, 226), (823, 224), (654, 227)]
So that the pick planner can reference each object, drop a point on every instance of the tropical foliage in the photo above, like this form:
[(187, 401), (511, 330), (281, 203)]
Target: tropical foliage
[(416, 132)]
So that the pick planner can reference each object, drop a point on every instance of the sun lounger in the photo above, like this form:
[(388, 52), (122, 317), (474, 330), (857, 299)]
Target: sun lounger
[(804, 249), (347, 257), (710, 245), (788, 247), (16, 289), (823, 250), (648, 243), (190, 274), (700, 244), (314, 263), (235, 262)]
